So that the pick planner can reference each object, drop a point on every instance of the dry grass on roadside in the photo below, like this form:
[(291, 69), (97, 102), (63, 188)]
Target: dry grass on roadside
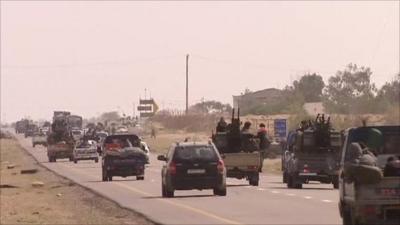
[(58, 201)]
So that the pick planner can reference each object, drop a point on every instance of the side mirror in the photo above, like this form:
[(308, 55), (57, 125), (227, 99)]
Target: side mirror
[(162, 158)]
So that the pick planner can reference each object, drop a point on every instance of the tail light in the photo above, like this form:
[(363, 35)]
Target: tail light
[(221, 166), (369, 210), (305, 169), (254, 168), (172, 168), (112, 147)]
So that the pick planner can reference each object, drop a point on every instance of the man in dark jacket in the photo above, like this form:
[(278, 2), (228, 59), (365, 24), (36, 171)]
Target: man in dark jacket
[(264, 143)]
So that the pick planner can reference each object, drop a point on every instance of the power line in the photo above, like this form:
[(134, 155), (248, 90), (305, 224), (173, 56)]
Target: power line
[(104, 63)]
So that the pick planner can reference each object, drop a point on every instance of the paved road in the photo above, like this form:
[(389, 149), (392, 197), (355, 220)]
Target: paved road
[(269, 203)]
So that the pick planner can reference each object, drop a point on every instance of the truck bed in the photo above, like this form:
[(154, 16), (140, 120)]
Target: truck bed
[(242, 160)]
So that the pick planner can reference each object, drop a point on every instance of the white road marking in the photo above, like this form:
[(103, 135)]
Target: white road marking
[(290, 194), (152, 180), (261, 189), (325, 200), (275, 192), (307, 197)]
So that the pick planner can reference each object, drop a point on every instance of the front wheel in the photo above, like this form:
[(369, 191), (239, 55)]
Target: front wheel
[(220, 192), (139, 177), (96, 160), (254, 179)]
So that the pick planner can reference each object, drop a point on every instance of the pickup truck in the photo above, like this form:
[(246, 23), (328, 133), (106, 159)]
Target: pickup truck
[(377, 200), (122, 156), (39, 139), (239, 151), (60, 150)]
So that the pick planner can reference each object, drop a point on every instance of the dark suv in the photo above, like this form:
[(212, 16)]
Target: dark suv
[(122, 156), (191, 165)]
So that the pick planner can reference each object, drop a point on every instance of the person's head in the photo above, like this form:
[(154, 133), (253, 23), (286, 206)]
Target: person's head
[(222, 119), (262, 125), (390, 159), (247, 124)]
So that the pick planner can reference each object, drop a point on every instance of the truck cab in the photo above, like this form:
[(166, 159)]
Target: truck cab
[(367, 194)]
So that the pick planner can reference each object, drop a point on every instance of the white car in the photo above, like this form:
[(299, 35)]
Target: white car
[(86, 150)]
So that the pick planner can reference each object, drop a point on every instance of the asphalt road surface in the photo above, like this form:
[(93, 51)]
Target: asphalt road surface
[(269, 203)]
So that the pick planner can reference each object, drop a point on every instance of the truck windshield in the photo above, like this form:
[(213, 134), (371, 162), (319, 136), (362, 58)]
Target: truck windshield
[(192, 153)]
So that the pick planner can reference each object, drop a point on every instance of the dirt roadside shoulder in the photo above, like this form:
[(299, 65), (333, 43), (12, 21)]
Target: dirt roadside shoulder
[(45, 198)]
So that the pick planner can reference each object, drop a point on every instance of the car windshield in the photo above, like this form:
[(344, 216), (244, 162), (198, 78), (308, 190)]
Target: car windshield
[(192, 153), (84, 144), (77, 132)]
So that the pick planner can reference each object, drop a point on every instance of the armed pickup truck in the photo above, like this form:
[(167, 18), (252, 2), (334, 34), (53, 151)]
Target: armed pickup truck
[(240, 154), (370, 194)]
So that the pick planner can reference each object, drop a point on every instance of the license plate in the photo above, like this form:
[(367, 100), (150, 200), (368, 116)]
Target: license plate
[(196, 171), (308, 174)]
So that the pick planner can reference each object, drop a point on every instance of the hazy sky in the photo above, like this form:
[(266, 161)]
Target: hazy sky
[(91, 57)]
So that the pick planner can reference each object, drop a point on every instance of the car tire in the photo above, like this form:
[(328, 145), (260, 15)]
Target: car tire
[(50, 159), (220, 192), (140, 177), (33, 145), (346, 217), (254, 179), (166, 193), (104, 175), (336, 184), (96, 160), (75, 161), (284, 177), (71, 159), (289, 179)]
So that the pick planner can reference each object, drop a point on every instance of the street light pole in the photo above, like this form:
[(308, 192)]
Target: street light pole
[(187, 83)]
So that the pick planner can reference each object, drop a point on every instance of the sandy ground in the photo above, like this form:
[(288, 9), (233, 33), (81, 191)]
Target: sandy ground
[(58, 201)]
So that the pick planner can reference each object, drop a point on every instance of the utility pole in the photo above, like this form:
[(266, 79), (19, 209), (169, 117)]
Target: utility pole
[(187, 83)]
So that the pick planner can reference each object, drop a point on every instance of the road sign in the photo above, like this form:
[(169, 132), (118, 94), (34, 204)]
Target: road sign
[(144, 108), (146, 101), (146, 114), (280, 128)]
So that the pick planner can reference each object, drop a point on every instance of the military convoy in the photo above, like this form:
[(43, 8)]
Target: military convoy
[(363, 162)]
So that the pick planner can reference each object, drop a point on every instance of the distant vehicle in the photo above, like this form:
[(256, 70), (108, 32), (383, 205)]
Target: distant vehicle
[(312, 154), (31, 130), (60, 150), (85, 150), (77, 134), (39, 138), (121, 130), (122, 156), (45, 129), (146, 149), (21, 126), (193, 166), (370, 194)]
